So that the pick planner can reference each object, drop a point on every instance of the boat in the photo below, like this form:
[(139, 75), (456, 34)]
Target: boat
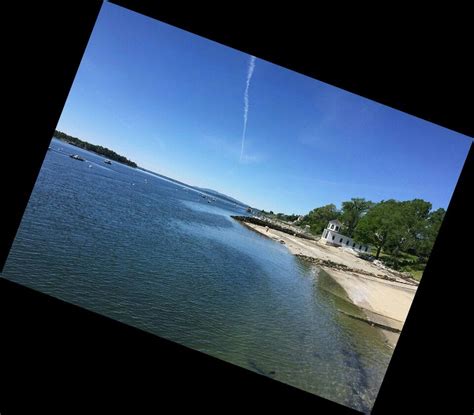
[(107, 161), (76, 157)]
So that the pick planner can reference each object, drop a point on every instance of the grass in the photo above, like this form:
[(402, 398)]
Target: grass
[(409, 263), (416, 274), (403, 255)]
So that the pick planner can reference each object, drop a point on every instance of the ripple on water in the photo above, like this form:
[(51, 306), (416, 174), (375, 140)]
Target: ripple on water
[(157, 258)]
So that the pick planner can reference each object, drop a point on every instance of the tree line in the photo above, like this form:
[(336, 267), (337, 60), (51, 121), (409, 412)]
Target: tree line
[(390, 226), (103, 151)]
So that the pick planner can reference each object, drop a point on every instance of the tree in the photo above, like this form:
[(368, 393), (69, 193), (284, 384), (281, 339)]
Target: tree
[(380, 227), (413, 225), (319, 217), (352, 211), (398, 227), (430, 232), (103, 151)]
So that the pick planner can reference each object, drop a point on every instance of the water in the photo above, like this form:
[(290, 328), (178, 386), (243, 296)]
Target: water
[(155, 255)]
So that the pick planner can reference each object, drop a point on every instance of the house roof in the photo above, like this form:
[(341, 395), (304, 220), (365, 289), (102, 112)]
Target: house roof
[(336, 222)]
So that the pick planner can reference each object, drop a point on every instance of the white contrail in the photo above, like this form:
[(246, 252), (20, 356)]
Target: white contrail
[(246, 102)]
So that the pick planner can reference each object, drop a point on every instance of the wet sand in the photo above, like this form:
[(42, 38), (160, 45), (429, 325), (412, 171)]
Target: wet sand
[(384, 295)]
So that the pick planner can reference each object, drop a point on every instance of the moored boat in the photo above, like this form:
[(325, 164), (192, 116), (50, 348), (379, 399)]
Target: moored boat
[(76, 157)]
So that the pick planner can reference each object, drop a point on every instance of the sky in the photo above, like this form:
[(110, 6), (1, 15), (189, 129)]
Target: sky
[(214, 117)]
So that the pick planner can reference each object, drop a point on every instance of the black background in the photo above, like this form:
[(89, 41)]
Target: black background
[(56, 356)]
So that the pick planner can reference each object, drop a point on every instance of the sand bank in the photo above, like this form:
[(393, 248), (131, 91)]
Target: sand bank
[(384, 295)]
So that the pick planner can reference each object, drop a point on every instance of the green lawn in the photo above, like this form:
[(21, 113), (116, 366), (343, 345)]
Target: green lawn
[(416, 274), (415, 268), (403, 255)]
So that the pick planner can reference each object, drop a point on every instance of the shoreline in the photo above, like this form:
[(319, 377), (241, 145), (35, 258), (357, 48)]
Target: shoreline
[(383, 296)]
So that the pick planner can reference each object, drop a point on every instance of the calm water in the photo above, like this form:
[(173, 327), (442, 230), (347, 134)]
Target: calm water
[(156, 255)]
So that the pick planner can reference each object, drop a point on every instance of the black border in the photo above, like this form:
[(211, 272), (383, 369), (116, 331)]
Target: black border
[(53, 350)]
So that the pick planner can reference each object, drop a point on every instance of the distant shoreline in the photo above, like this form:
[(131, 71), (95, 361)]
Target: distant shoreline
[(112, 155), (99, 150)]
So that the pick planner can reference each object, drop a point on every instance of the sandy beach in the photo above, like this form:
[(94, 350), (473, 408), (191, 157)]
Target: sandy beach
[(384, 295)]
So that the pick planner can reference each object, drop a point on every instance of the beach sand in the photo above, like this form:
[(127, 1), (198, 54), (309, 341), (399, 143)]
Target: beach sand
[(383, 295)]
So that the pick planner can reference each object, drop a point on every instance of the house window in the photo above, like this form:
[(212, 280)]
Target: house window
[(365, 249), (337, 228), (353, 245), (333, 237), (347, 242), (326, 235), (340, 240)]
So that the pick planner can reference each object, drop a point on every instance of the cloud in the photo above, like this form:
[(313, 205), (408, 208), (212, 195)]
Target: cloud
[(251, 158), (227, 148), (250, 70)]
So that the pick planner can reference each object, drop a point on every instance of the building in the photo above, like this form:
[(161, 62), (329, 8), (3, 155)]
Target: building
[(332, 236), (299, 219)]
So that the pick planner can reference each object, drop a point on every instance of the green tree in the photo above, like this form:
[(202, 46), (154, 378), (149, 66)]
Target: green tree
[(398, 227), (412, 226), (319, 217), (430, 233), (380, 227), (352, 211), (103, 151)]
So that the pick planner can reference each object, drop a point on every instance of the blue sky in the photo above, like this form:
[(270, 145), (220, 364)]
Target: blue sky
[(175, 103)]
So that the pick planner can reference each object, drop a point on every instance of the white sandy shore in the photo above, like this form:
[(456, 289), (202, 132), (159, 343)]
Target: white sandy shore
[(384, 302)]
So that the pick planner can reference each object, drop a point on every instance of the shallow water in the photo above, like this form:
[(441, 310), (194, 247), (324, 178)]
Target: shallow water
[(155, 255)]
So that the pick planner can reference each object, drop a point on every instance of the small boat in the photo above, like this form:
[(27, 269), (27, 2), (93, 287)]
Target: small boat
[(107, 161), (76, 157)]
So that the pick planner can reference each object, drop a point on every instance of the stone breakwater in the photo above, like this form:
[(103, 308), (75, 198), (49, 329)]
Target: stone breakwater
[(341, 267), (273, 225)]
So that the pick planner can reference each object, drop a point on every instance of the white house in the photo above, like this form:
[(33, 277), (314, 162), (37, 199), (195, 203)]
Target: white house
[(332, 236)]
